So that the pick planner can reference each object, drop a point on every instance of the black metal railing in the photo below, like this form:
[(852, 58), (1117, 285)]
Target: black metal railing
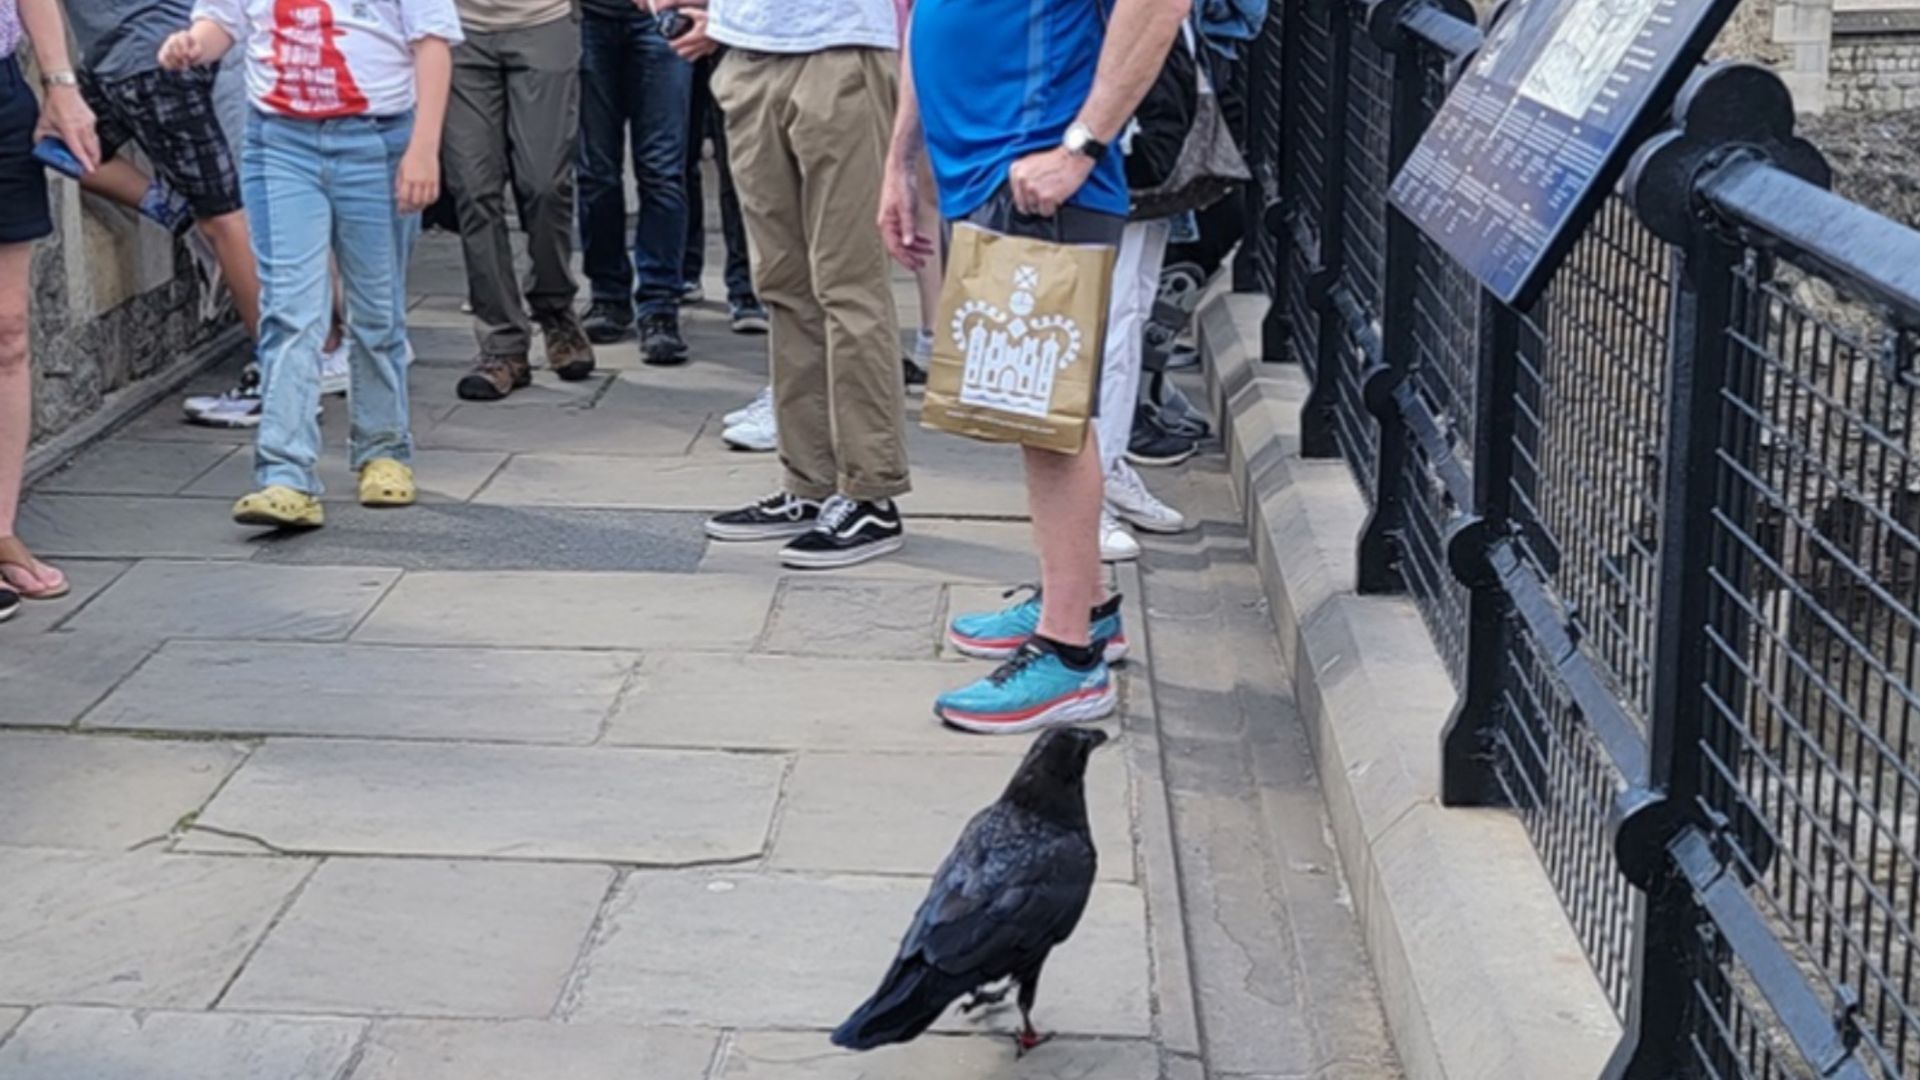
[(1663, 524)]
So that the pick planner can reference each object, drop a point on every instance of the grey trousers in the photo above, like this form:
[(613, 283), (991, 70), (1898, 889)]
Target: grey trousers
[(514, 120)]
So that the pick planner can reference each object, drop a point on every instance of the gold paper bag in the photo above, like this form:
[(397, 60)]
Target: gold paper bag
[(1016, 351)]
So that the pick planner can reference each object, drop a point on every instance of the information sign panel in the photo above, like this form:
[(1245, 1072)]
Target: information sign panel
[(1522, 150)]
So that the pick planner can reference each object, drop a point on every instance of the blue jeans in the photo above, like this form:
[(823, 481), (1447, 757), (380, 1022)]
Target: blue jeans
[(631, 81), (315, 187)]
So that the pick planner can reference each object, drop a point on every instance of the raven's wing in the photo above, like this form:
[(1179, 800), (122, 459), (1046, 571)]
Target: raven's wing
[(1010, 891)]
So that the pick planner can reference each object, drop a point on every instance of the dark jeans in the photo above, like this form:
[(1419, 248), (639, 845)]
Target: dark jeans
[(705, 122), (632, 83)]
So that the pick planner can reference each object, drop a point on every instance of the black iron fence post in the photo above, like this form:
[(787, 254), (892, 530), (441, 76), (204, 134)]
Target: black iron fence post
[(1378, 560), (1725, 113), (1467, 760), (1317, 414)]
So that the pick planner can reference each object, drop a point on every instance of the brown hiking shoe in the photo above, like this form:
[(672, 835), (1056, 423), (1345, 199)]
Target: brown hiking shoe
[(569, 353), (494, 377)]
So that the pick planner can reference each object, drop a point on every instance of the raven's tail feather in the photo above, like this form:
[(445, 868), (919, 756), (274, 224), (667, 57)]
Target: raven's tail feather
[(907, 1003)]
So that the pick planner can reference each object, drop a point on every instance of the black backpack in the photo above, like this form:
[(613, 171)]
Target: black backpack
[(1163, 119), (1180, 155)]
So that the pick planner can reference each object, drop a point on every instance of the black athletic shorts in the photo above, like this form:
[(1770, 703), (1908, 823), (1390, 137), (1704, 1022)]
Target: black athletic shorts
[(24, 209), (170, 116)]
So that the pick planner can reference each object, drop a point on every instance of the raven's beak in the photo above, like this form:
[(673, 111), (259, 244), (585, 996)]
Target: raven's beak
[(1096, 738)]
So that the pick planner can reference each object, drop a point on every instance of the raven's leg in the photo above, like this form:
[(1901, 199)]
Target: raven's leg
[(983, 998), (1028, 1038)]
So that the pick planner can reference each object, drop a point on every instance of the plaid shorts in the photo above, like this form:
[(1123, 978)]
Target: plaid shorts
[(170, 115)]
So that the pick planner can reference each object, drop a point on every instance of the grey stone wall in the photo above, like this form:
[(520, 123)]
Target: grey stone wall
[(114, 302), (1875, 72)]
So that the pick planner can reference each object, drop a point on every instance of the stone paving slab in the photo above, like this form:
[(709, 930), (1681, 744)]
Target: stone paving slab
[(976, 552), (655, 807), (134, 467), (442, 475), (588, 611), (265, 688), (9, 1019), (900, 814), (214, 600), (113, 1044), (563, 431), (494, 538), (863, 620), (793, 703), (51, 679), (588, 480), (144, 929), (86, 577), (531, 1050), (425, 938), (83, 791), (767, 1055), (698, 389), (131, 527), (436, 388), (800, 951)]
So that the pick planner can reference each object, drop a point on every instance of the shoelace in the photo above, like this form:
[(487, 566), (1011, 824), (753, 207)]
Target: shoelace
[(1017, 663), (835, 513)]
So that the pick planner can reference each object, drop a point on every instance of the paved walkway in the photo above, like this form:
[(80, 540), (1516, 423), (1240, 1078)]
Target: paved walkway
[(531, 781)]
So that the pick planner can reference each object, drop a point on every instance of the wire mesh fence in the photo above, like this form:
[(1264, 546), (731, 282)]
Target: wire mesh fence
[(1686, 480)]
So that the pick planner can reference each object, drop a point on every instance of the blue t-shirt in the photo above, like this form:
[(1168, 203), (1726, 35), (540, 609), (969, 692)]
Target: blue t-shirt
[(1000, 79)]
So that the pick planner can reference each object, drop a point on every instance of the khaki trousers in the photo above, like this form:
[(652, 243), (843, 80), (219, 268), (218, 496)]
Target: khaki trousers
[(807, 137)]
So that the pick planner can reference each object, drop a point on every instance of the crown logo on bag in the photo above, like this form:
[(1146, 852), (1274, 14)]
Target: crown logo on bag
[(1013, 357)]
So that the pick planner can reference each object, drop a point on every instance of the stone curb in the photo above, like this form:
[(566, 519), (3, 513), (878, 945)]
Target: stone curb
[(125, 404), (1479, 971)]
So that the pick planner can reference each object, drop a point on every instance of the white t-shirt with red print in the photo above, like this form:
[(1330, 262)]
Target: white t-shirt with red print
[(323, 59)]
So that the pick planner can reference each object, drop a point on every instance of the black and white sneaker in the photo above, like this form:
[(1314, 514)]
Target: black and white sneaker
[(9, 603), (776, 517), (849, 533)]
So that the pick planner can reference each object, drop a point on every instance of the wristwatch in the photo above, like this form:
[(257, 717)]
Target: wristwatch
[(1079, 140), (60, 78)]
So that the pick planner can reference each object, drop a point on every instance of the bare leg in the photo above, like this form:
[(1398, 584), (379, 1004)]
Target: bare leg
[(234, 248), (1064, 494), (16, 408), (119, 180)]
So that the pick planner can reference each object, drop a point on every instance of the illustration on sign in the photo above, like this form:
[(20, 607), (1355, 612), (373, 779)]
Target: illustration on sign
[(1518, 155)]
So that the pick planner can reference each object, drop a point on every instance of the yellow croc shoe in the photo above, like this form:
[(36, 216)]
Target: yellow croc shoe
[(279, 507), (386, 482)]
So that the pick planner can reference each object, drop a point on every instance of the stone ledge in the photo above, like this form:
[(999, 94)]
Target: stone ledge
[(1480, 973)]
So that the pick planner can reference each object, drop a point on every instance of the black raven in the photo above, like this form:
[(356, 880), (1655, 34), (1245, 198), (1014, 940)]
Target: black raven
[(1013, 888)]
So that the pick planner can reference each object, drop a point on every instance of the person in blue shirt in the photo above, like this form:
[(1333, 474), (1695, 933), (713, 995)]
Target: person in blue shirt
[(1015, 103)]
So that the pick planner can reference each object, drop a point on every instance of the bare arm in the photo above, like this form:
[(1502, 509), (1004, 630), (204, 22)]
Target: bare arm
[(202, 43), (1140, 33), (908, 140), (899, 197), (64, 113), (433, 81)]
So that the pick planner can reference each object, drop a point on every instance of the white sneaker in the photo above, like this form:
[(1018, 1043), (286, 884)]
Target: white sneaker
[(756, 434), (762, 402), (335, 373), (236, 408), (1129, 500), (1116, 543)]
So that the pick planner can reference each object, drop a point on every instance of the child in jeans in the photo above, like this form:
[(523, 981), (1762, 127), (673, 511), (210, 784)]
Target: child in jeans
[(341, 153)]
